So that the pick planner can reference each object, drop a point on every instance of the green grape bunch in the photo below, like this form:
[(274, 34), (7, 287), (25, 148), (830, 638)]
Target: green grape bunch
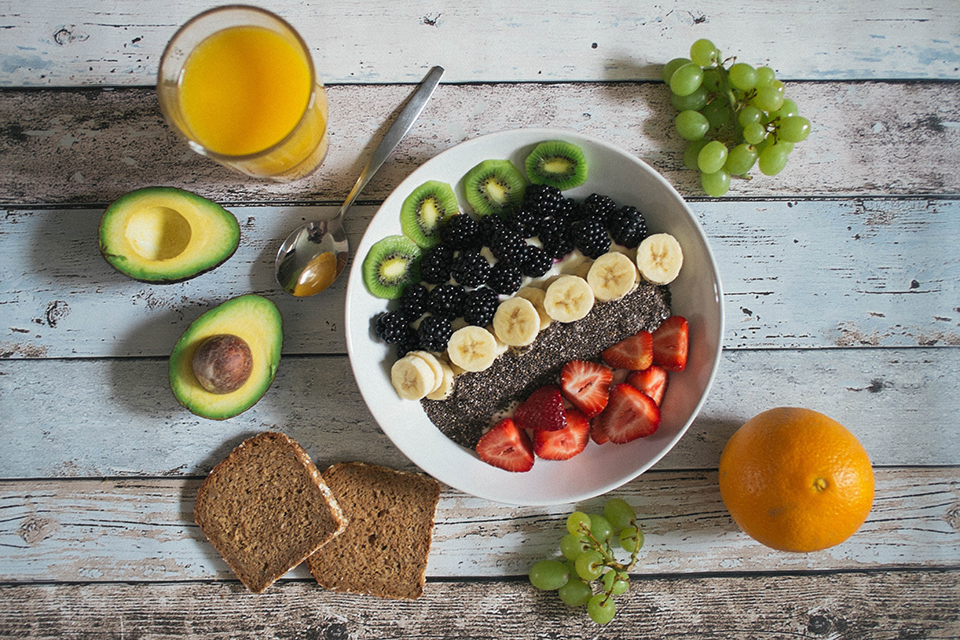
[(732, 115), (589, 573)]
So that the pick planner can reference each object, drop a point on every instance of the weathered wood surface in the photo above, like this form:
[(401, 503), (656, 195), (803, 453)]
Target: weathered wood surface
[(844, 606), (879, 273), (53, 43), (142, 530), (93, 145), (118, 417)]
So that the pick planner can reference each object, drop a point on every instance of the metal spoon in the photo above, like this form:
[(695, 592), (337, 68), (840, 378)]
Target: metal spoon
[(314, 255)]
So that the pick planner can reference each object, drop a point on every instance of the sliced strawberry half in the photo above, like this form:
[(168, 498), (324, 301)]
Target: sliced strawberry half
[(586, 385), (652, 381), (542, 410), (506, 446), (597, 434), (629, 415), (565, 443), (634, 352), (670, 343)]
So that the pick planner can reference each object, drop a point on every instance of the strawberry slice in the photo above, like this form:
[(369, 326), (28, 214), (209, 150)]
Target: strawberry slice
[(586, 385), (652, 381), (597, 434), (634, 353), (542, 410), (507, 447), (565, 443), (670, 343), (629, 415)]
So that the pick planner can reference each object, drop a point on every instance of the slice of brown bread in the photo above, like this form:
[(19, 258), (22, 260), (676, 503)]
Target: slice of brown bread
[(265, 508), (384, 550)]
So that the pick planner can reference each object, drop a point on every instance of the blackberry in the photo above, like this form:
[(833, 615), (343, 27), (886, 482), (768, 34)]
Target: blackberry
[(507, 246), (543, 198), (505, 278), (409, 341), (590, 236), (435, 264), (390, 326), (554, 235), (536, 261), (570, 210), (413, 302), (480, 305), (598, 206), (490, 226), (471, 269), (434, 333), (524, 221), (462, 233), (446, 301), (627, 226)]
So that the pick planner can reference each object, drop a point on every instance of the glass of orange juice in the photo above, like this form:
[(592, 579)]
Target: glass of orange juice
[(238, 83)]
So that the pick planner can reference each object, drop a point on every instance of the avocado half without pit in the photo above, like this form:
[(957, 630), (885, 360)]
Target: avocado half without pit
[(164, 234), (227, 358)]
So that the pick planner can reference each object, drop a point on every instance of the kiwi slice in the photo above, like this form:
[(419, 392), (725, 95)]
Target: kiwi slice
[(557, 163), (391, 264), (494, 186), (425, 210)]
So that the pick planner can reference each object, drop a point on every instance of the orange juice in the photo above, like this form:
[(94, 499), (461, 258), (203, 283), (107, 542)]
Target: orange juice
[(238, 82)]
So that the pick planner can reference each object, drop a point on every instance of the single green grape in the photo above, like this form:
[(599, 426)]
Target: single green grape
[(578, 523), (793, 129), (704, 53), (715, 184), (712, 157), (769, 98), (576, 593), (749, 115), (549, 575), (691, 153), (572, 545), (631, 539), (742, 76), (619, 513), (711, 80), (616, 582), (686, 79), (691, 125), (600, 527), (695, 101), (754, 133), (765, 76), (717, 114), (601, 608), (788, 108), (589, 565), (672, 66), (741, 159), (773, 159)]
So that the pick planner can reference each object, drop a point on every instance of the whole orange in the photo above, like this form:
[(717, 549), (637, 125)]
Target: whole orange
[(796, 480)]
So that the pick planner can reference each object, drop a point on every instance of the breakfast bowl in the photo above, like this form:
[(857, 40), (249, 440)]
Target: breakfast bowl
[(695, 294)]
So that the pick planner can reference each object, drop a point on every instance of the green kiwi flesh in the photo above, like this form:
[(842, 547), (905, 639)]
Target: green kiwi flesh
[(425, 210), (391, 264), (494, 186), (557, 163)]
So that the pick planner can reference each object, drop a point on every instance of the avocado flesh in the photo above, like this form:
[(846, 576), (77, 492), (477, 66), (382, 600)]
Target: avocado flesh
[(163, 234), (257, 321)]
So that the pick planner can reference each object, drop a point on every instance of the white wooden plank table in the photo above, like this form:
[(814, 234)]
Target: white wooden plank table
[(842, 294)]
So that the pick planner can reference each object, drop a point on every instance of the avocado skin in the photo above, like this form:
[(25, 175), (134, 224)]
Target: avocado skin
[(211, 224), (251, 317)]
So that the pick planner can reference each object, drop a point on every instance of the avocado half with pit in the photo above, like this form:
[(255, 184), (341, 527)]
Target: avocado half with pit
[(164, 234), (211, 373)]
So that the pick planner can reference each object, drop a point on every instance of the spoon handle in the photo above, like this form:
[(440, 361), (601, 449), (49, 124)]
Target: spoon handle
[(395, 133)]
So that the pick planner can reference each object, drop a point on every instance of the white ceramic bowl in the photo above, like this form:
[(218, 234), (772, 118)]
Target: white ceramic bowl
[(696, 295)]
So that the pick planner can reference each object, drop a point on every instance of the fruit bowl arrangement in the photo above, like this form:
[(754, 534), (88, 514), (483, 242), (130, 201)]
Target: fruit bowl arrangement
[(695, 294)]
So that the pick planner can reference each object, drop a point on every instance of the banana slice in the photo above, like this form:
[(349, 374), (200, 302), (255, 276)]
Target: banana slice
[(516, 322), (445, 388), (659, 258), (434, 363), (535, 295), (612, 276), (472, 348), (412, 377), (568, 298)]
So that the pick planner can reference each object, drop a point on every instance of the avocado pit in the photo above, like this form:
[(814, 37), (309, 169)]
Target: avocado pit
[(222, 363)]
